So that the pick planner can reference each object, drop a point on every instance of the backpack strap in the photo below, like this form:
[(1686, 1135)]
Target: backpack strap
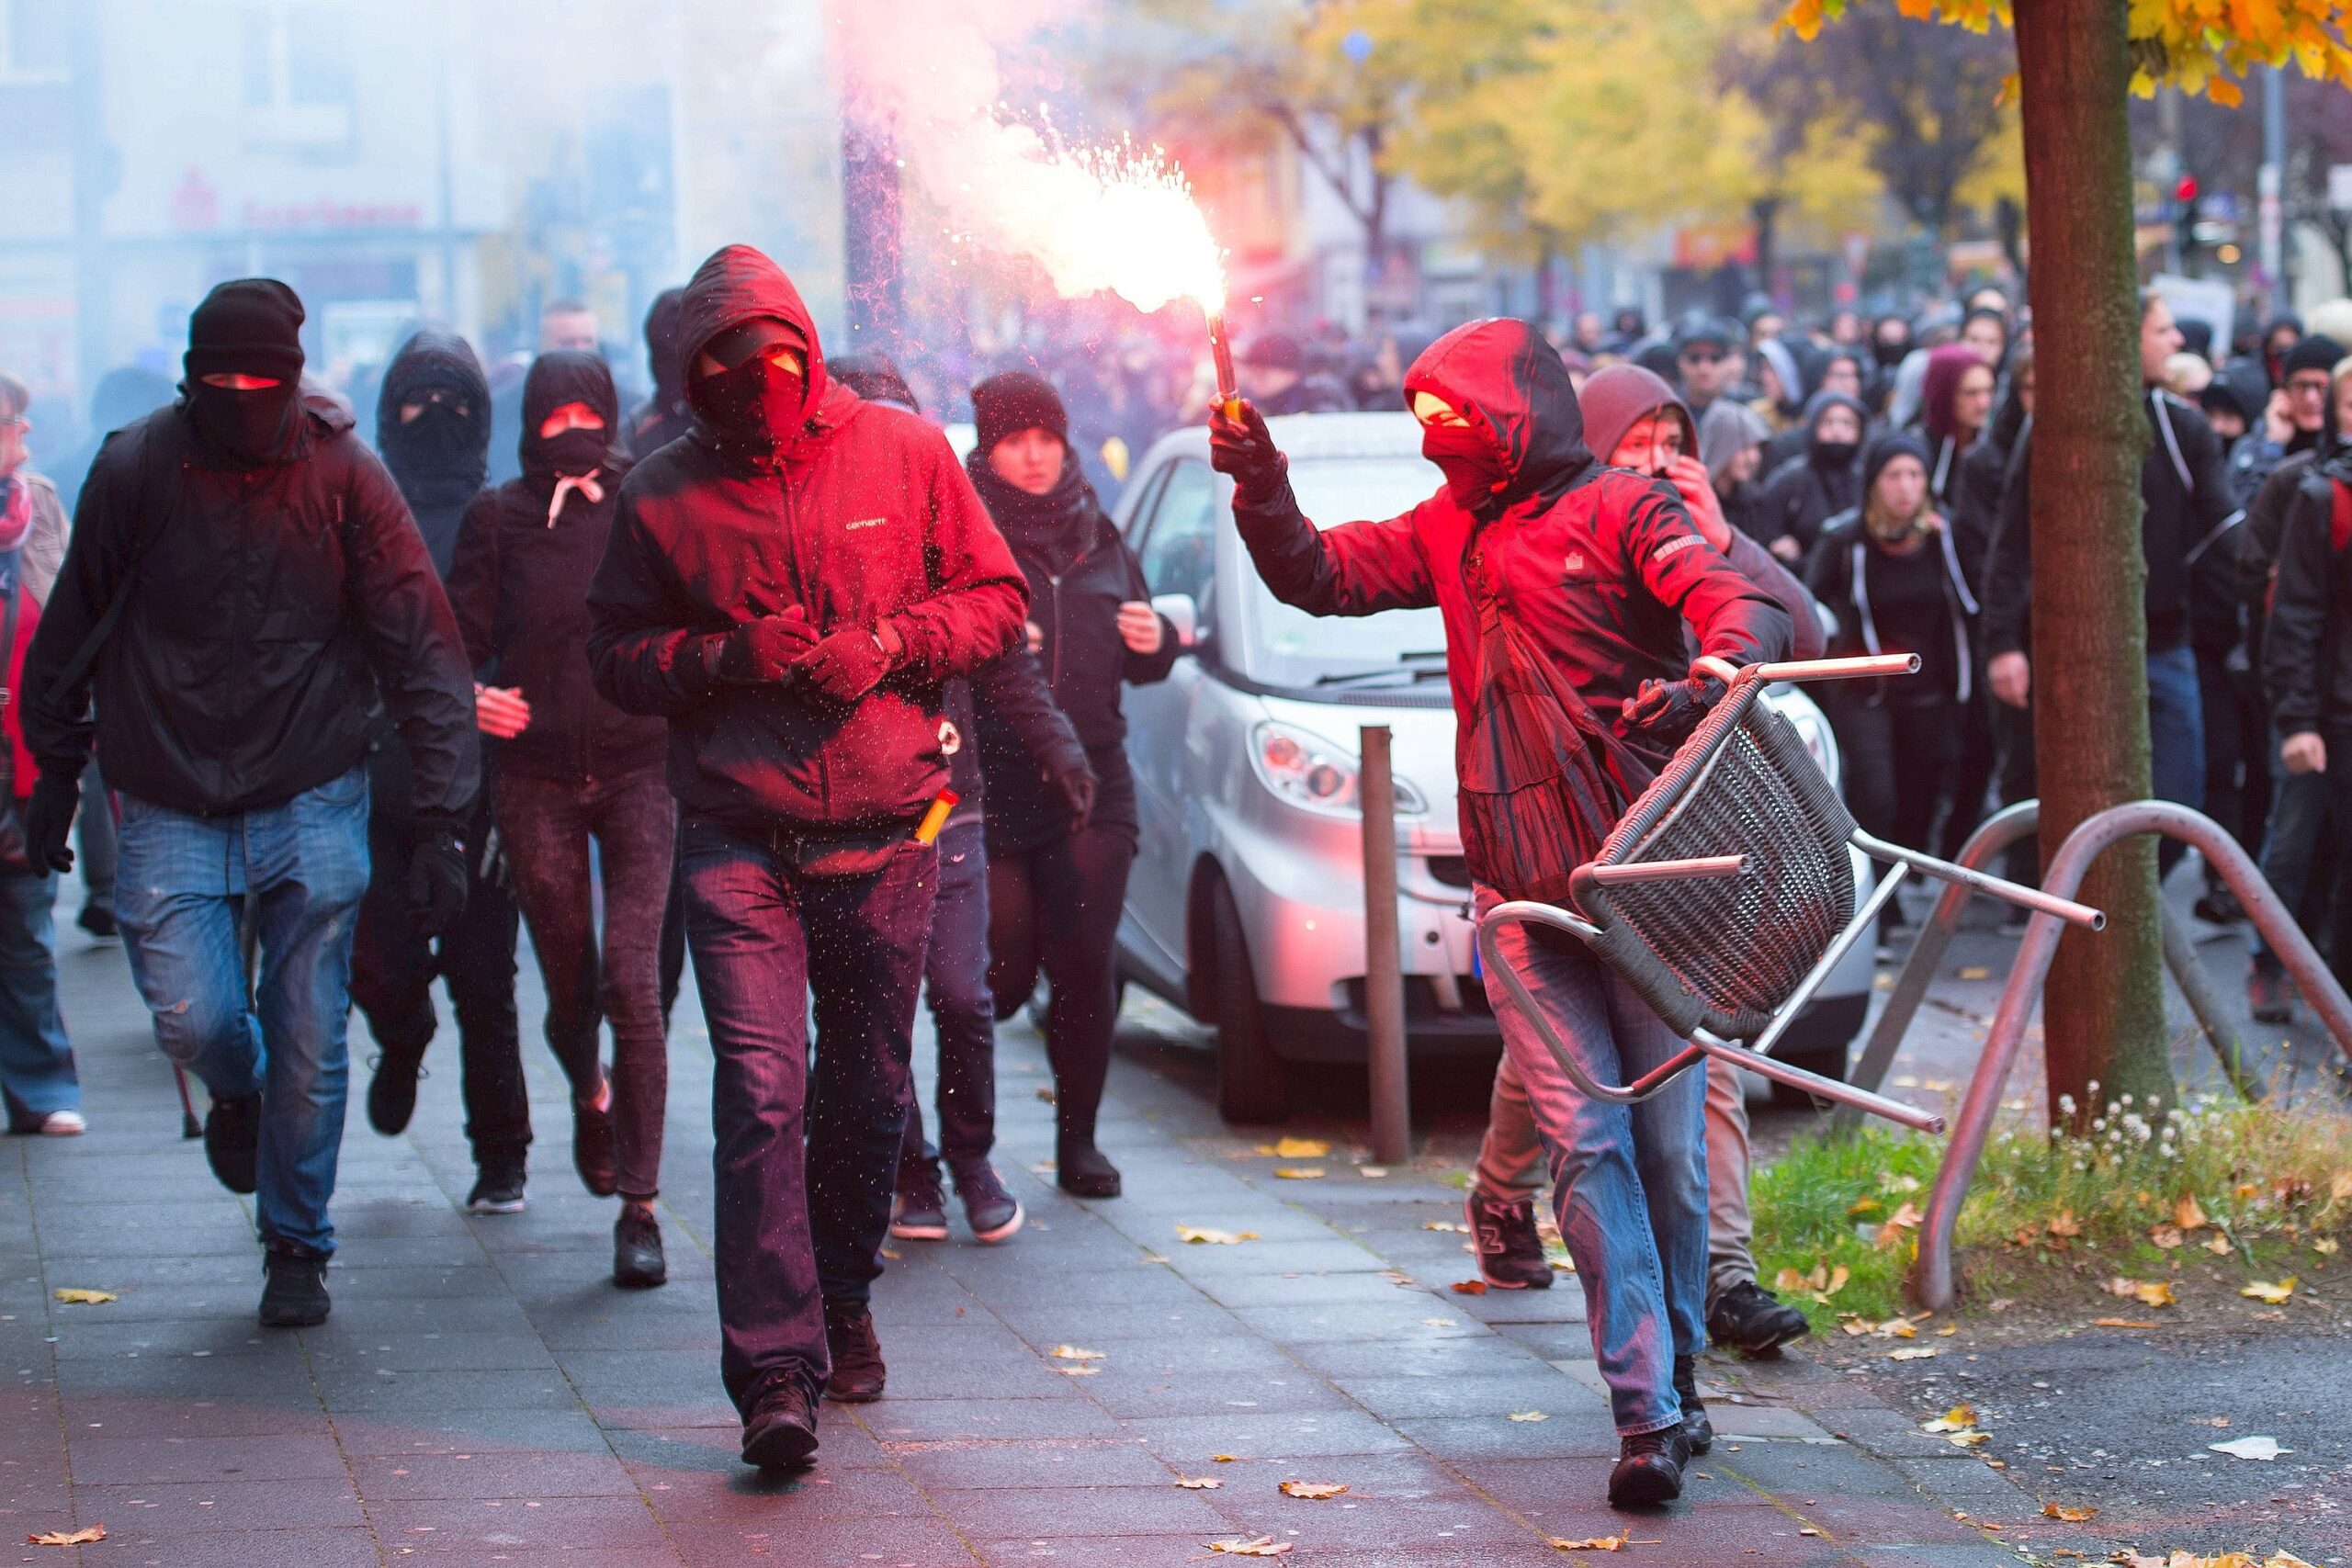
[(160, 497)]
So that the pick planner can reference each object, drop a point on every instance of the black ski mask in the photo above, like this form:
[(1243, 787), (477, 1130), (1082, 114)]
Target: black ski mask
[(247, 427), (759, 400), (561, 377), (251, 327)]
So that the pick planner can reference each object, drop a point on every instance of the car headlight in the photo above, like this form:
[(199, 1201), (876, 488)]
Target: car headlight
[(1306, 770)]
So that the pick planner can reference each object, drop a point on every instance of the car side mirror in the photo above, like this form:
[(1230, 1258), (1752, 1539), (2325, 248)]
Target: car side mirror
[(1182, 614)]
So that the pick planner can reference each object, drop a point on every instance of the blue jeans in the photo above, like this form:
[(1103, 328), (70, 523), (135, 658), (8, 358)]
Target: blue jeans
[(179, 888), (1629, 1182), (804, 1163), (2176, 738), (963, 1013), (36, 1059)]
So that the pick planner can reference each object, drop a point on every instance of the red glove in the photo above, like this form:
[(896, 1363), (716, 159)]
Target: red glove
[(847, 664), (767, 649)]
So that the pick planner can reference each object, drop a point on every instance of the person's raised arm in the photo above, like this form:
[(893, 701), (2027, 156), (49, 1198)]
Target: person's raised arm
[(1357, 569), (1736, 620)]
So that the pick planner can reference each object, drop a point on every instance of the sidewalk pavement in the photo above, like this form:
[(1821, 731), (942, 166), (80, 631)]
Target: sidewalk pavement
[(483, 1394)]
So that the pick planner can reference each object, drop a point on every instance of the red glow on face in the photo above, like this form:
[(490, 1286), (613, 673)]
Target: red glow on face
[(569, 417)]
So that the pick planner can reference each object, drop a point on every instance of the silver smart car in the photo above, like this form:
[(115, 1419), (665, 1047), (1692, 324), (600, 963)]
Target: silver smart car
[(1245, 905)]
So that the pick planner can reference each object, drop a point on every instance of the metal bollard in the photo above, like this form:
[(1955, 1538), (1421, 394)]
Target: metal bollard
[(1384, 977)]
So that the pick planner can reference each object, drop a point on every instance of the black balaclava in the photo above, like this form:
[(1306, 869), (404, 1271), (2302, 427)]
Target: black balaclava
[(566, 376), (440, 457), (662, 347), (1835, 456), (753, 399), (251, 327)]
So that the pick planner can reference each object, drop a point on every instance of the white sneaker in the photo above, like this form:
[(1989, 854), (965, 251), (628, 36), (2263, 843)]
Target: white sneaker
[(63, 1124)]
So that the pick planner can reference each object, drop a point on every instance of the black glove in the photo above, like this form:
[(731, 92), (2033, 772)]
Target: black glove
[(847, 664), (436, 879), (1668, 711), (1077, 786), (49, 819), (1243, 447), (765, 649)]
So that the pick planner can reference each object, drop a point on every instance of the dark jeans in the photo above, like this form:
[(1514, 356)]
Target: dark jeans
[(2176, 740), (674, 931), (955, 983), (2237, 750), (93, 828), (393, 965), (1055, 907), (546, 824), (2013, 729), (1898, 764), (804, 1163), (2296, 839), (1972, 780)]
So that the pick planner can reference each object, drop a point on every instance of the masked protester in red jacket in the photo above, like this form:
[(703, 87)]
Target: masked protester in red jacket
[(1595, 572), (791, 583)]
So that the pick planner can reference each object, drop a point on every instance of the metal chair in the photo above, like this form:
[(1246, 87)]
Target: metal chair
[(1725, 897)]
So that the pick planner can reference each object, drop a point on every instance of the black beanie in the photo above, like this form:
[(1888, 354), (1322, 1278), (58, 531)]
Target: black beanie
[(251, 326), (2317, 352), (874, 376), (1885, 450), (1015, 401)]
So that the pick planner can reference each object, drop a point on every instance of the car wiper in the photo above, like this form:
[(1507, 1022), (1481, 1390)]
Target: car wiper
[(1358, 677)]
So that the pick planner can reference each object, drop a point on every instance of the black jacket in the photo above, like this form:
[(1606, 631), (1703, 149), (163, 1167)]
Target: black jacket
[(440, 459), (1080, 571), (1809, 488), (520, 591), (2188, 529), (863, 517), (2307, 649), (1020, 708), (275, 604), (1839, 575)]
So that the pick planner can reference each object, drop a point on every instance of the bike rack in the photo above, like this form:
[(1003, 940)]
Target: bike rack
[(2010, 826), (1932, 1280)]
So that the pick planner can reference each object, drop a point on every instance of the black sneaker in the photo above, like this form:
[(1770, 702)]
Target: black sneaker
[(2270, 994), (294, 1293), (780, 1430), (392, 1089), (858, 1371), (920, 1212), (1649, 1469), (1503, 1236), (1083, 1171), (591, 1141), (498, 1186), (231, 1140), (1697, 1430), (991, 1211), (638, 1261), (99, 921), (1753, 1321), (2219, 907)]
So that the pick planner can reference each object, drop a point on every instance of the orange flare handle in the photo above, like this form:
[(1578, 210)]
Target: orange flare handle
[(927, 830), (1228, 395)]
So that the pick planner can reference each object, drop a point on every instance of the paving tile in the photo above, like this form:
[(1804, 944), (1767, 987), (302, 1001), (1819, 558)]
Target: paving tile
[(468, 1432), (101, 1459), (495, 1473), (738, 1493), (1101, 1511), (132, 1544), (1392, 1398), (943, 1467), (241, 1502), (1562, 1435), (1069, 1414), (825, 1543), (471, 1527), (356, 1389), (1194, 1441)]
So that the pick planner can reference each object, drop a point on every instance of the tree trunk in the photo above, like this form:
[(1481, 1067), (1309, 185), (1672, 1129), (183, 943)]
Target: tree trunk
[(2103, 1009)]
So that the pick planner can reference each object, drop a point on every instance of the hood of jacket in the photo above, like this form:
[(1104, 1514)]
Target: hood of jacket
[(566, 376), (1726, 430), (739, 284), (1940, 385), (1618, 397), (662, 345), (1510, 384), (1821, 403), (436, 464)]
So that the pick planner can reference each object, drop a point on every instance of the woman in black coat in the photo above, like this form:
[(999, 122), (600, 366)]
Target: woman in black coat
[(1056, 883)]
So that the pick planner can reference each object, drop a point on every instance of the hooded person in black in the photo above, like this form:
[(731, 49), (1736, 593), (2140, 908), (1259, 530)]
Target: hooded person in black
[(664, 416), (1058, 862), (571, 768), (1808, 489), (433, 432)]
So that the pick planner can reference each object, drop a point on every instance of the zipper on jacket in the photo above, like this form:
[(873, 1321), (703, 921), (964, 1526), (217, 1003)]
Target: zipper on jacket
[(1053, 675)]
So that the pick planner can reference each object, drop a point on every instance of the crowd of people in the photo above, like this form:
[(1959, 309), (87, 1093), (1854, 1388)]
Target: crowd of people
[(759, 671)]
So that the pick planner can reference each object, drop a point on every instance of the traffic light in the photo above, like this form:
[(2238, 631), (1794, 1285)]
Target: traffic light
[(2183, 216)]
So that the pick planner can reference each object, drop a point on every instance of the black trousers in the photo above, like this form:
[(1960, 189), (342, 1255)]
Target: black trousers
[(1899, 764), (2237, 750), (393, 964), (1055, 909)]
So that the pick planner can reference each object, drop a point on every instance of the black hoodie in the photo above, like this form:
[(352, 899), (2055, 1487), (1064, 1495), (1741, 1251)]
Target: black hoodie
[(520, 586), (861, 517), (1804, 492), (663, 417), (439, 458), (2307, 648)]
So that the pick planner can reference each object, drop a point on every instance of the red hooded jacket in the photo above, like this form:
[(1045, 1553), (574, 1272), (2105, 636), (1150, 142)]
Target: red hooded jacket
[(1600, 567), (864, 516)]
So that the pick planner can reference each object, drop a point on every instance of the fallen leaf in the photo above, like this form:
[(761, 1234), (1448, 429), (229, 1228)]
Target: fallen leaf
[(1152, 1258), (2148, 1292), (1371, 1172), (1529, 1416), (1958, 1419), (2223, 1421), (1468, 1287), (1967, 1439), (2250, 1448), (2000, 1303), (1072, 1353), (1597, 1543), (1808, 1530), (2339, 1187), (1045, 1093), (1441, 1322), (2119, 1322), (1864, 1208), (2189, 1215), (2264, 1291), (1975, 971), (1078, 1371), (1297, 1148), (1313, 1491), (2072, 1516), (1199, 1482), (2065, 1223), (2325, 1245), (1445, 1225), (1563, 1265), (86, 1536), (1224, 1458), (2166, 1237), (1264, 1546), (1299, 1172), (73, 1296), (1946, 1331), (1915, 1353), (1906, 1218), (1203, 1235)]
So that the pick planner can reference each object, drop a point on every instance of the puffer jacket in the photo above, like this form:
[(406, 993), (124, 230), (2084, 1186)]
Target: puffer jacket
[(863, 517)]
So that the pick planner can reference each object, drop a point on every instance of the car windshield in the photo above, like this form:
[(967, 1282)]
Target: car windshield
[(1291, 648)]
